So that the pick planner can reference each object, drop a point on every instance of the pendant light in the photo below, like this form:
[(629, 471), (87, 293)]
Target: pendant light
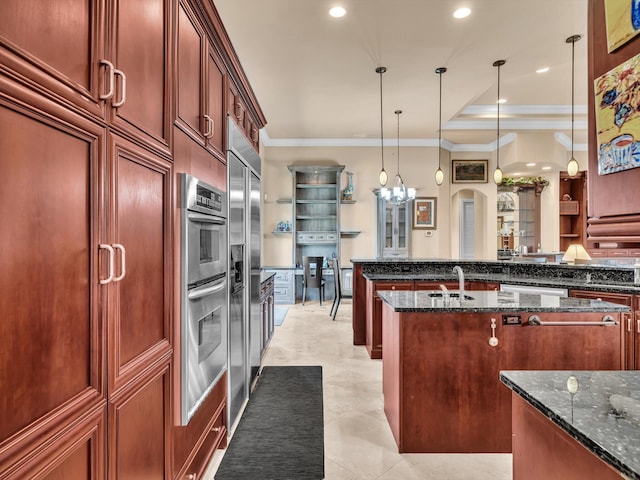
[(382, 176), (572, 164), (439, 172), (497, 173), (400, 193)]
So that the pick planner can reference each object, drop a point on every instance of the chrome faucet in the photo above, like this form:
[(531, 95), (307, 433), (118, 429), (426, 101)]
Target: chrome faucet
[(460, 273)]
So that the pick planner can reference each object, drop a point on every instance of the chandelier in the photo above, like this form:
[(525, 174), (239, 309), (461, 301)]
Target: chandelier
[(399, 193)]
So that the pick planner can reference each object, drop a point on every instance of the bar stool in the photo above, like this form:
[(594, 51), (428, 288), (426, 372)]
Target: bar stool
[(338, 288)]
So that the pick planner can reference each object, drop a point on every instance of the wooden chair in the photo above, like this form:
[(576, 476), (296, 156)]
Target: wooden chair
[(337, 286), (312, 276)]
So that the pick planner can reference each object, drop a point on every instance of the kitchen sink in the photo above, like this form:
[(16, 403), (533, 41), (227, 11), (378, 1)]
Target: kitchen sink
[(451, 295)]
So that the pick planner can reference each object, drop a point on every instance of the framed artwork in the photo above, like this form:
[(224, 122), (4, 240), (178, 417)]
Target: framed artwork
[(622, 18), (617, 118), (424, 212), (469, 171)]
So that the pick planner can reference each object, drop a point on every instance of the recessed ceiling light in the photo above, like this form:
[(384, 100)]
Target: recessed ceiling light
[(546, 168), (516, 174), (542, 70), (337, 12), (531, 164), (501, 100), (462, 12)]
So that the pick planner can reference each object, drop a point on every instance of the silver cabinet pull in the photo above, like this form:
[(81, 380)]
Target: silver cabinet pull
[(210, 127), (607, 321), (123, 92), (493, 340), (110, 69), (109, 249), (123, 262)]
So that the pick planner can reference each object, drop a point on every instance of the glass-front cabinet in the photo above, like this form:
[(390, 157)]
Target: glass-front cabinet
[(394, 228)]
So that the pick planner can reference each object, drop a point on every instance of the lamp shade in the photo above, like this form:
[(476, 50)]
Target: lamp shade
[(575, 254)]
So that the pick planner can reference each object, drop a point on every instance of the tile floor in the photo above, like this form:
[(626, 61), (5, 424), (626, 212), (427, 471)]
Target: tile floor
[(358, 442)]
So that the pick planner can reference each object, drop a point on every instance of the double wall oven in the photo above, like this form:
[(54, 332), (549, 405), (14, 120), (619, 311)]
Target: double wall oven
[(204, 323)]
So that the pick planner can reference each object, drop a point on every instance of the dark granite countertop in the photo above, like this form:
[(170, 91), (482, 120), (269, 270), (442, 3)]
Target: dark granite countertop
[(490, 301), (599, 278), (603, 415)]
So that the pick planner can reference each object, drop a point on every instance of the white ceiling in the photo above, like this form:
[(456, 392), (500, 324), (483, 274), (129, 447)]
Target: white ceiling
[(315, 79)]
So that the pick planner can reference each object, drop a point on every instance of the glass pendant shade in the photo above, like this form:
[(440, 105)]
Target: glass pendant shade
[(439, 172), (382, 176), (572, 167), (497, 175)]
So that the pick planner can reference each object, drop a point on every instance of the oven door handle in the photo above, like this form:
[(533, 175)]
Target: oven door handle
[(199, 217), (203, 292)]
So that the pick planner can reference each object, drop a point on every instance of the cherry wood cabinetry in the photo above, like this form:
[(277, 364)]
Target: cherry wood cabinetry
[(55, 47), (535, 437), (52, 364), (464, 407), (200, 83), (374, 313), (630, 330), (88, 280), (139, 50), (85, 274), (573, 209)]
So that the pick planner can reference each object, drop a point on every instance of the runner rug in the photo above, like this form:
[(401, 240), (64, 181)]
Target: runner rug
[(280, 435)]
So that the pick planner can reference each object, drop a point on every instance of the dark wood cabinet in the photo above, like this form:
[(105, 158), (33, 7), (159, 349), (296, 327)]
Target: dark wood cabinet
[(201, 105), (139, 50), (573, 209), (52, 365), (464, 407), (56, 47), (374, 313), (630, 329), (88, 378)]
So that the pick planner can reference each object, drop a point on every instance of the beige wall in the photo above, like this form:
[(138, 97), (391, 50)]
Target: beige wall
[(418, 165)]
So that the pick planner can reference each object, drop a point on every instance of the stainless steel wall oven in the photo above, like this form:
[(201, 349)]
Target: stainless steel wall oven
[(204, 322)]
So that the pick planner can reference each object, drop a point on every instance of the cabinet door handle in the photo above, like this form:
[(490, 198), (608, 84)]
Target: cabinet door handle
[(210, 127), (123, 89), (109, 249), (123, 262), (109, 94), (637, 326), (192, 476), (628, 323)]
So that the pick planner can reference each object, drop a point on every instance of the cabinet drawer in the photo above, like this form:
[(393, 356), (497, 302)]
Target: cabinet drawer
[(320, 237), (283, 294), (282, 276), (332, 237), (215, 438), (569, 207)]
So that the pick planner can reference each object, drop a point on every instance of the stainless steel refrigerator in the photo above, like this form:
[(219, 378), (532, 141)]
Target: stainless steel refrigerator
[(243, 168)]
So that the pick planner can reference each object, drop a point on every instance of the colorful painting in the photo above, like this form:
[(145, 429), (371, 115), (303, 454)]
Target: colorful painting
[(617, 106), (623, 21)]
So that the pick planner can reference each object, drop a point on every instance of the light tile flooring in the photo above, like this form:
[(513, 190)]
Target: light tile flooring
[(358, 441)]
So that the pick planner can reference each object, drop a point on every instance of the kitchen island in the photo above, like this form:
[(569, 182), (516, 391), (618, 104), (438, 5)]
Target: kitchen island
[(575, 424), (442, 359)]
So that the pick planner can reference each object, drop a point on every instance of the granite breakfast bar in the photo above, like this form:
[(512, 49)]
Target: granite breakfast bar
[(442, 359), (575, 424)]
